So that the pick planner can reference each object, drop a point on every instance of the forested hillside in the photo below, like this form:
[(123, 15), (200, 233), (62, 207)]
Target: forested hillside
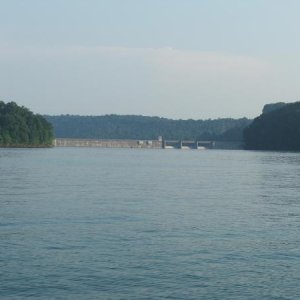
[(273, 106), (141, 127), (20, 127), (277, 129)]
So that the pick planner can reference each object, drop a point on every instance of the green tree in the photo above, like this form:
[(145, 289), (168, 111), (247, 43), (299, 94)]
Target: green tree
[(19, 126), (278, 129)]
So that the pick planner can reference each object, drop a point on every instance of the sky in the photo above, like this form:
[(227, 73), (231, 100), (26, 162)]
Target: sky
[(179, 59)]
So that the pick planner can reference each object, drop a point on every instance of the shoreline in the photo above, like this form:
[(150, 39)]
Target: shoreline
[(25, 146)]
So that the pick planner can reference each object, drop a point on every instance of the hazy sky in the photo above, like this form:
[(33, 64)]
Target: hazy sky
[(172, 58)]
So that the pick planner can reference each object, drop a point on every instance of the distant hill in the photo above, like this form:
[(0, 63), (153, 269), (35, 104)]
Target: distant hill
[(277, 129), (19, 127), (273, 106), (141, 127)]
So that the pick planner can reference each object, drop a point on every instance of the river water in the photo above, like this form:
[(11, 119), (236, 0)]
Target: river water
[(90, 223)]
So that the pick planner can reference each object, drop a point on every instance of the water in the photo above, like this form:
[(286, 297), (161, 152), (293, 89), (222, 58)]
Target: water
[(149, 224)]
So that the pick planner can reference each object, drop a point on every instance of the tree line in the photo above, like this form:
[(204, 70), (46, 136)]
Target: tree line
[(20, 127), (142, 127), (278, 128)]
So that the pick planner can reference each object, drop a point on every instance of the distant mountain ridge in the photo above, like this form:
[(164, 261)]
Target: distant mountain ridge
[(273, 106), (143, 127)]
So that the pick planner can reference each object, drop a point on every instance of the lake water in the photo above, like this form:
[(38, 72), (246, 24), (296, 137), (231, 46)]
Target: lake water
[(90, 223)]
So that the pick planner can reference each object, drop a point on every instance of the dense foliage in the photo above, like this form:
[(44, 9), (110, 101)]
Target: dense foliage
[(141, 127), (273, 106), (276, 130), (20, 127)]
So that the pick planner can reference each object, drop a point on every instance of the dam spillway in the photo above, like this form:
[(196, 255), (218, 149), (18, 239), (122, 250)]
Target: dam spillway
[(129, 143)]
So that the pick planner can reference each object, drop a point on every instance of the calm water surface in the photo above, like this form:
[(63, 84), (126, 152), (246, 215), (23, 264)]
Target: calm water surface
[(79, 223)]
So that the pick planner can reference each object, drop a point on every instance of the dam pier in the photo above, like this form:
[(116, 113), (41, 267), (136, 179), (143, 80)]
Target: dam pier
[(143, 144)]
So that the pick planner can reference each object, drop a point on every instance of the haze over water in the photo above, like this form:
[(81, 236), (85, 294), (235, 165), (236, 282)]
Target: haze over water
[(149, 224)]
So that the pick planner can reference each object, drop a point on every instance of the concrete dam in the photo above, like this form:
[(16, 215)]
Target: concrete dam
[(143, 144)]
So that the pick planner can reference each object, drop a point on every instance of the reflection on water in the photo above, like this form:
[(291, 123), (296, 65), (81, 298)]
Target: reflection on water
[(143, 224)]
